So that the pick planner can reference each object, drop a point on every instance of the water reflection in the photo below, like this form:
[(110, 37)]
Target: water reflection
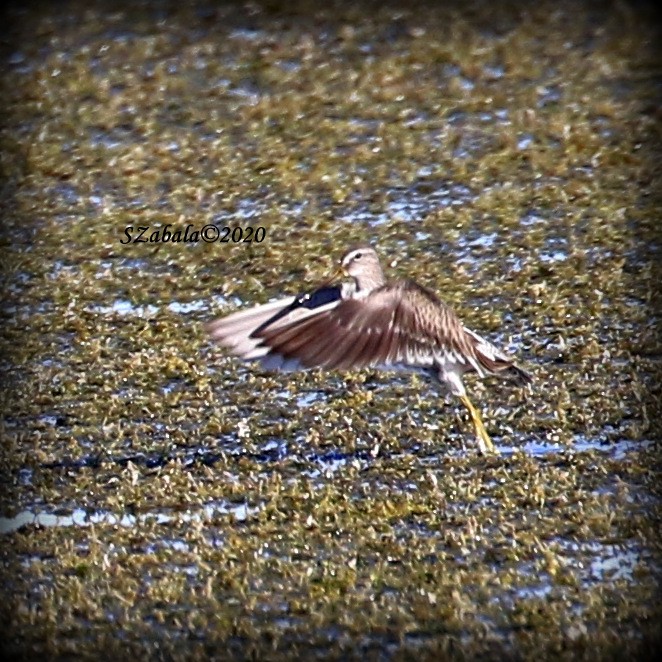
[(84, 517)]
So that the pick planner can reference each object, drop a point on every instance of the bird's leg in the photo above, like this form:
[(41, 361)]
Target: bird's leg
[(484, 442)]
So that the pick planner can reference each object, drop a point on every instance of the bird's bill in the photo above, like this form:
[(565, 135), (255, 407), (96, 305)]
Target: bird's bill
[(338, 274)]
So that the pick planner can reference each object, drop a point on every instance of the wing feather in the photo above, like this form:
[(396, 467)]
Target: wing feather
[(400, 323), (396, 324)]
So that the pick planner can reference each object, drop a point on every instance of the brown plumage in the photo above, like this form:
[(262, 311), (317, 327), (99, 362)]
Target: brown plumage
[(367, 323)]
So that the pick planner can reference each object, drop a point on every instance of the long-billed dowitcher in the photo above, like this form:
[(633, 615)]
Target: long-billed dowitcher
[(368, 322)]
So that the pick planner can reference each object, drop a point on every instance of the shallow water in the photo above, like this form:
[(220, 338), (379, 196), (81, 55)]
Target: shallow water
[(81, 517), (208, 506)]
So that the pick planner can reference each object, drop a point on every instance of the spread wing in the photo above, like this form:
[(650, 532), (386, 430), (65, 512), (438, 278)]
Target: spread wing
[(238, 331), (396, 324)]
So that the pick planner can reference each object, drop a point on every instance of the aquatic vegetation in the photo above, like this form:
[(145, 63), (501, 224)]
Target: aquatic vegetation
[(173, 502)]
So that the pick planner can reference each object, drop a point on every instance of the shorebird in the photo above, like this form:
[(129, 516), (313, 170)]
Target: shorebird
[(368, 322)]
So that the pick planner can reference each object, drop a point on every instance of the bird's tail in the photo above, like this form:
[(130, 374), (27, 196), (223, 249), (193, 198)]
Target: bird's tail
[(521, 377), (494, 362)]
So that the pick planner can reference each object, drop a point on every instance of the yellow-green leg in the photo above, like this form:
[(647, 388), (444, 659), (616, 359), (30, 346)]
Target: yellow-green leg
[(484, 442)]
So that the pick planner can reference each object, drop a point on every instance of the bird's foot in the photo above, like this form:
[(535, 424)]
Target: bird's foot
[(485, 444)]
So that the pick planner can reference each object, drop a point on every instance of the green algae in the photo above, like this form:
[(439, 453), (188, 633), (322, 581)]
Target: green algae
[(367, 531)]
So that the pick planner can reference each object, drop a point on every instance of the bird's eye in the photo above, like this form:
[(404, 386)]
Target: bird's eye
[(357, 256)]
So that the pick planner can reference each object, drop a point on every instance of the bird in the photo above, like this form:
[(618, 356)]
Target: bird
[(358, 319)]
